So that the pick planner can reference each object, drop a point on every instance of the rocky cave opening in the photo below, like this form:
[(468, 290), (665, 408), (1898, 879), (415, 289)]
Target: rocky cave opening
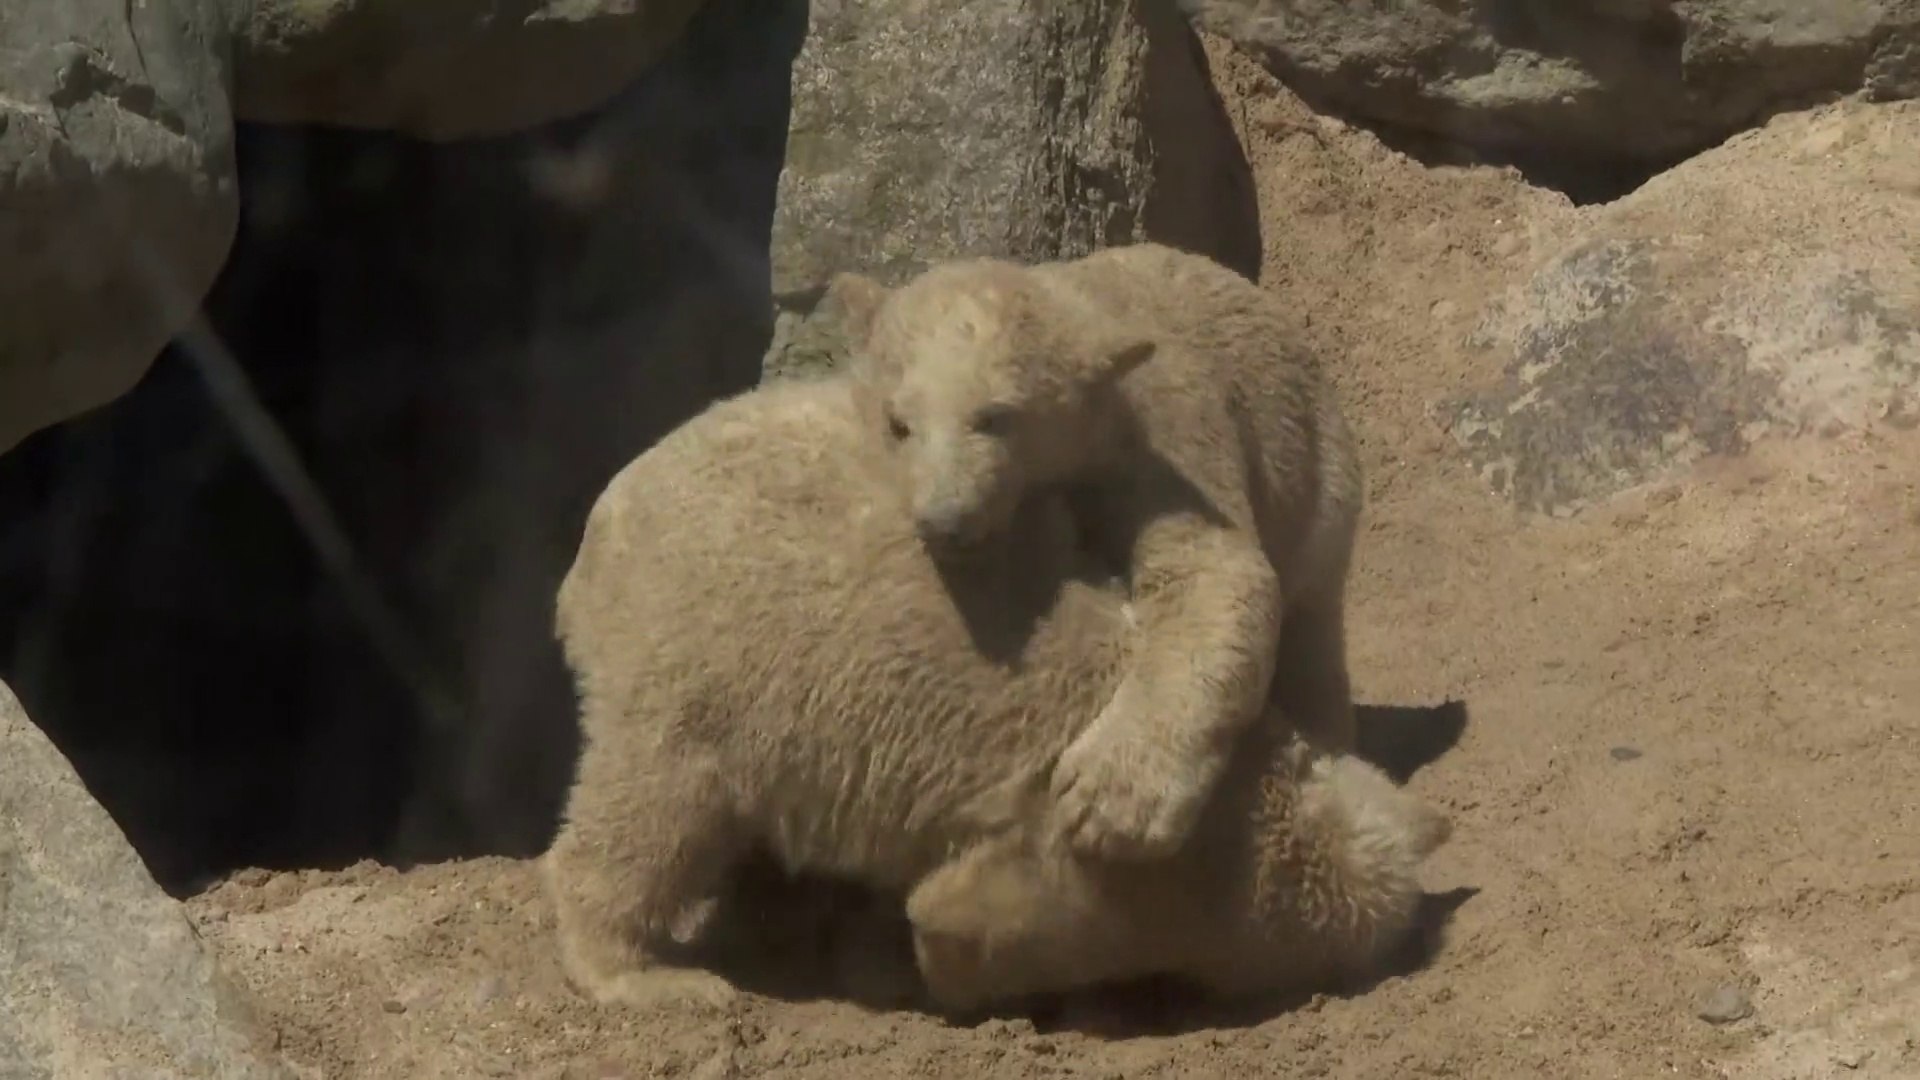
[(459, 343)]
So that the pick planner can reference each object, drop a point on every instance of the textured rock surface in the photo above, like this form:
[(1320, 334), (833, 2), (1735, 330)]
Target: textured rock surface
[(101, 974), (117, 197), (1768, 287), (925, 132), (117, 193), (445, 69), (1620, 81)]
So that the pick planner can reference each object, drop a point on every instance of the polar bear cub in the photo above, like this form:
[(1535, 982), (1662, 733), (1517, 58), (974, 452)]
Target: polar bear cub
[(768, 661), (1300, 875), (1205, 453)]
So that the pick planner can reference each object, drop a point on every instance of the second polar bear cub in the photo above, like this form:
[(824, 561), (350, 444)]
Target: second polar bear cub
[(1300, 873), (1204, 452)]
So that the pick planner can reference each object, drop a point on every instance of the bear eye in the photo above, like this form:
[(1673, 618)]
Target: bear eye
[(994, 420), (897, 427)]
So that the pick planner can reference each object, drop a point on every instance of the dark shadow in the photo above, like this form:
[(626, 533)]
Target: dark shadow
[(1203, 198), (1403, 739), (810, 937), (1585, 179), (461, 342), (1006, 587), (1431, 925)]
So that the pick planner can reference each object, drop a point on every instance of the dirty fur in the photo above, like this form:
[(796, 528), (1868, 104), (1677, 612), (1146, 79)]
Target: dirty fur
[(1301, 876), (769, 661), (1203, 451)]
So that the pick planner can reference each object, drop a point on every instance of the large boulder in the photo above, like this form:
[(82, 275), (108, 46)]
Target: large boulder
[(1572, 84), (1766, 288), (117, 190), (928, 132), (442, 70), (101, 974), (117, 196)]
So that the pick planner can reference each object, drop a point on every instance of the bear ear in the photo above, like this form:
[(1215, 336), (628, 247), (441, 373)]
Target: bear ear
[(858, 298), (1117, 359)]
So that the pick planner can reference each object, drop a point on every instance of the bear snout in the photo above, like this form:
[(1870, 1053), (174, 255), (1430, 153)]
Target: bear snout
[(949, 533)]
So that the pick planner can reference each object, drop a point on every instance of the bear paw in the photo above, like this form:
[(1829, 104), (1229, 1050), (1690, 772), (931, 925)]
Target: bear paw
[(1126, 796), (666, 988)]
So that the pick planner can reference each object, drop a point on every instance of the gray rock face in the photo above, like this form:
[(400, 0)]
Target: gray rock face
[(1765, 288), (101, 975), (1590, 80), (442, 70), (117, 198), (117, 193), (927, 132)]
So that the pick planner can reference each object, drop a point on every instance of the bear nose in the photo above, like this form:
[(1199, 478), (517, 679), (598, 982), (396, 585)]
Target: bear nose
[(938, 528), (944, 531)]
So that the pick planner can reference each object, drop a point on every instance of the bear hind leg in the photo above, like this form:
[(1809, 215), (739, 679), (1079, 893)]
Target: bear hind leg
[(637, 852)]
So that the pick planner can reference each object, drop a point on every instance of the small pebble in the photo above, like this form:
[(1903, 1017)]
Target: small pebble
[(1725, 1005), (1851, 1059), (721, 1066), (1711, 934), (1623, 753), (487, 991), (394, 1005)]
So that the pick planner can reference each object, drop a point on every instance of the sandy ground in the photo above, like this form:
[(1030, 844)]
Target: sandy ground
[(1689, 780)]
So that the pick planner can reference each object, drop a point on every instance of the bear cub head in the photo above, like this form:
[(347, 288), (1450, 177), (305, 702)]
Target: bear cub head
[(988, 382)]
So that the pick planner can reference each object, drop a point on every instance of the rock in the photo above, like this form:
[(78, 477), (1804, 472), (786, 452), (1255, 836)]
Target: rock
[(1765, 288), (117, 188), (443, 70), (1725, 1005), (100, 972), (926, 132), (1633, 82), (117, 197), (487, 991)]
